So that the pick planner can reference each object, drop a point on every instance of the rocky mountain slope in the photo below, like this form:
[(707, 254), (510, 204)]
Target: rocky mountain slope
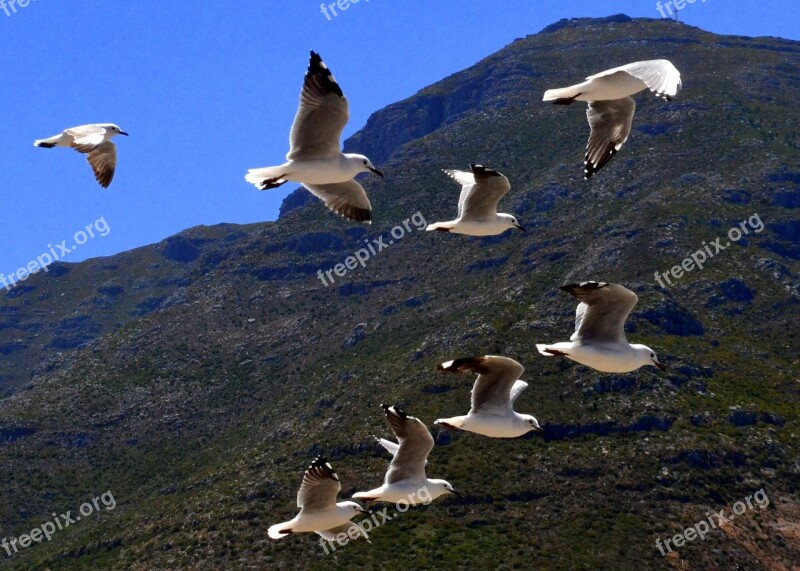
[(196, 378)]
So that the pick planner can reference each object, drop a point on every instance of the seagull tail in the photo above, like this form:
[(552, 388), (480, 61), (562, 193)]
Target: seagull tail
[(440, 226), (564, 95), (279, 531), (46, 143), (545, 350), (259, 176), (455, 422)]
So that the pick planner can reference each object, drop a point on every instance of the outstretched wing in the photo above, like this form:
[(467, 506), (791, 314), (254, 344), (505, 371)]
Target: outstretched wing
[(321, 117), (605, 309)]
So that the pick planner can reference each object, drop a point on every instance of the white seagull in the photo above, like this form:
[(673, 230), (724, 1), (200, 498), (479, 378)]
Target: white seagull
[(95, 142), (315, 159), (497, 387), (406, 481), (599, 340), (481, 190), (611, 106), (319, 512)]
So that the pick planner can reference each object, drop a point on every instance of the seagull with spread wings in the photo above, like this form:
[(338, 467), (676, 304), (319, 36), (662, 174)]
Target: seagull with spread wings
[(599, 340), (315, 159), (319, 512), (611, 106), (406, 481), (482, 189), (497, 387), (95, 142)]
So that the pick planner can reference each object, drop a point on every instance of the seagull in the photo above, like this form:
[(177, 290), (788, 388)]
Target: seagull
[(315, 159), (493, 395), (611, 106), (406, 481), (95, 142), (481, 190), (599, 340), (319, 511)]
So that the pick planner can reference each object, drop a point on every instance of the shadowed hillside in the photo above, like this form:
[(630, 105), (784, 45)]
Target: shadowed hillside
[(196, 378)]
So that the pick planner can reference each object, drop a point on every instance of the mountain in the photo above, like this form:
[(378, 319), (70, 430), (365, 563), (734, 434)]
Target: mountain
[(195, 379)]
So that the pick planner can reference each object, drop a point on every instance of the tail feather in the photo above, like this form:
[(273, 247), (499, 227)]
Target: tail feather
[(45, 144), (257, 176), (279, 530), (550, 351), (441, 226), (562, 94), (455, 422)]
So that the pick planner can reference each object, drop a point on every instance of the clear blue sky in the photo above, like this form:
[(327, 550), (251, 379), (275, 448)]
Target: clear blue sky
[(209, 91)]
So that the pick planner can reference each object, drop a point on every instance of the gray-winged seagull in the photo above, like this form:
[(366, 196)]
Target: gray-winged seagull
[(497, 387), (481, 190), (315, 159), (599, 340), (611, 107), (405, 480), (95, 142), (319, 512)]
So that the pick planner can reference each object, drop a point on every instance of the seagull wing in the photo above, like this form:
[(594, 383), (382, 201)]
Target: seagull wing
[(497, 376), (86, 137), (659, 75), (610, 122), (479, 199), (319, 489), (607, 306), (321, 117), (347, 199), (103, 159), (416, 443)]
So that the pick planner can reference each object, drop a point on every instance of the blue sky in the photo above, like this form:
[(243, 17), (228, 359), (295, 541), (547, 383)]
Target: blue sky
[(210, 91)]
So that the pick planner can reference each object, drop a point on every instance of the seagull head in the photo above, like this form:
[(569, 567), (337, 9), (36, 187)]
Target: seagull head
[(113, 130), (531, 423), (363, 164), (438, 488), (648, 357), (353, 508), (510, 221)]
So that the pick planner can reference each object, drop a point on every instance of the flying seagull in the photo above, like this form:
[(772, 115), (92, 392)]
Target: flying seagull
[(599, 340), (481, 190), (493, 395), (406, 481), (315, 159), (319, 512), (611, 106), (95, 142)]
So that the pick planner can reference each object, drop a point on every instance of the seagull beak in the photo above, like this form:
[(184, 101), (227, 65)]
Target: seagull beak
[(659, 365), (124, 133), (363, 511), (376, 171), (522, 228), (538, 429), (455, 492)]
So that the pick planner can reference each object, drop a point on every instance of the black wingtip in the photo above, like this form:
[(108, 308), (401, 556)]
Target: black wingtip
[(318, 68), (481, 170), (397, 410)]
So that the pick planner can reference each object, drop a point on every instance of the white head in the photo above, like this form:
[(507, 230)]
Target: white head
[(647, 357), (531, 423), (509, 221), (352, 508), (113, 130), (437, 488), (363, 164)]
